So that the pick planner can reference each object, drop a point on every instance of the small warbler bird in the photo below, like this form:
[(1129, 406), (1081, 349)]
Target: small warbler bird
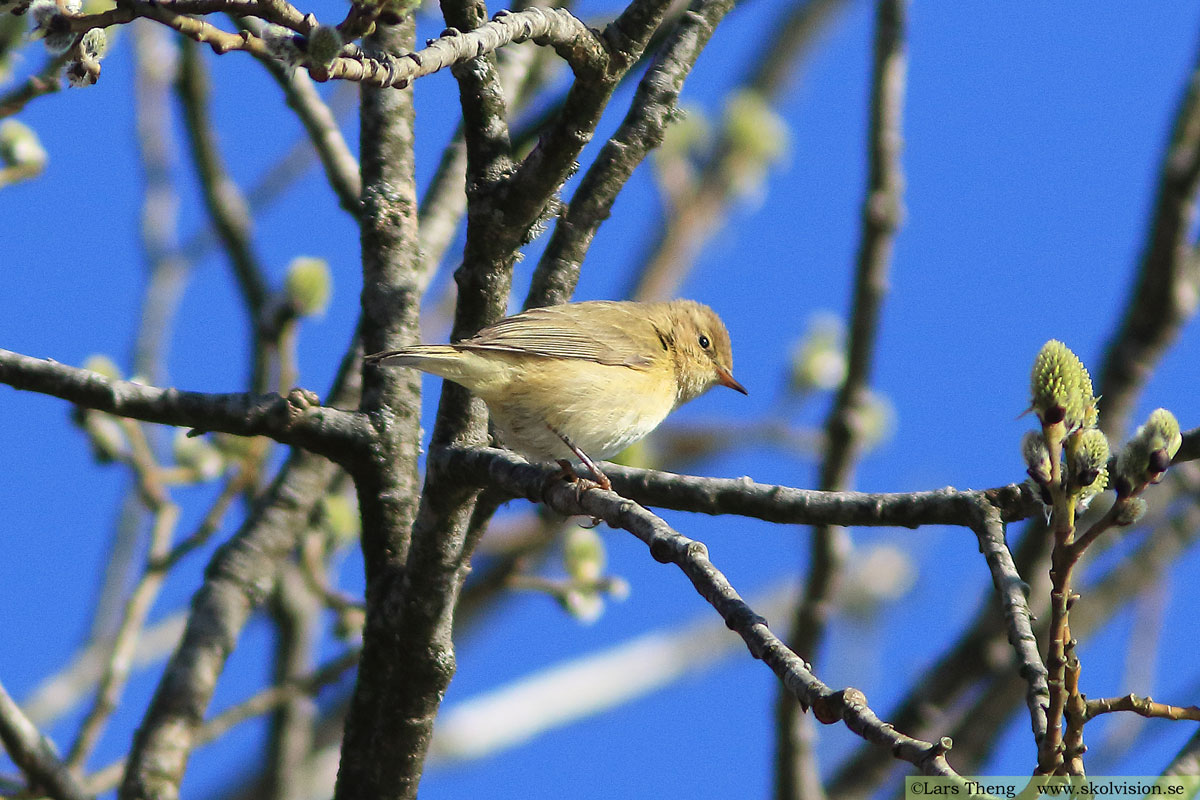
[(583, 378)]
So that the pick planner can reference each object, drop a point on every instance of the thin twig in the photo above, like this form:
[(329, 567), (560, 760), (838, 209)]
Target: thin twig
[(223, 199), (237, 580), (268, 699), (698, 211), (339, 163), (640, 131), (137, 607), (46, 81), (35, 754), (797, 773)]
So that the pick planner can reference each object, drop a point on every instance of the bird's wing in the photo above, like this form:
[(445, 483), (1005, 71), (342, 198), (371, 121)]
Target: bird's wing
[(595, 331)]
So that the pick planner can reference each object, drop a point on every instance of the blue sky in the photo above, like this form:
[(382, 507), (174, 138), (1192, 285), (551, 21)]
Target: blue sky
[(1033, 134)]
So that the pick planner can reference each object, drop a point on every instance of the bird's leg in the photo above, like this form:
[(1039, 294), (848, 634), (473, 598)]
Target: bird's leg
[(601, 479)]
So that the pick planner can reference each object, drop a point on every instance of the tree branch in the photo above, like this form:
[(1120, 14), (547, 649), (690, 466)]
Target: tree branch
[(35, 754), (640, 132), (224, 201), (772, 503), (1167, 286), (379, 753), (1144, 706), (338, 161), (239, 578), (296, 419), (536, 484), (797, 771)]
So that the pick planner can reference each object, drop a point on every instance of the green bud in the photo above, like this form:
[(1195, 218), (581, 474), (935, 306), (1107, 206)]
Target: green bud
[(1061, 387), (617, 588), (350, 624), (309, 285), (1148, 454), (106, 436), (640, 454), (584, 555), (754, 130), (281, 44), (819, 360), (51, 25), (1037, 457), (585, 605), (340, 517), (876, 420), (197, 454), (324, 44), (1088, 493), (94, 44), (1133, 464), (1130, 511), (1087, 453), (83, 72), (1162, 433), (104, 366), (687, 133), (20, 146)]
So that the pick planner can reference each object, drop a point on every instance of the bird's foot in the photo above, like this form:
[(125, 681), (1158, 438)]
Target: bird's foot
[(567, 472)]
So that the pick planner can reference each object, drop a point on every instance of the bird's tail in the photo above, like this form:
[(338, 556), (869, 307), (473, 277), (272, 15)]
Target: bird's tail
[(443, 360)]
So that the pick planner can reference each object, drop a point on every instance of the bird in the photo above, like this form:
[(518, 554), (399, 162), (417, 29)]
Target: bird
[(583, 380)]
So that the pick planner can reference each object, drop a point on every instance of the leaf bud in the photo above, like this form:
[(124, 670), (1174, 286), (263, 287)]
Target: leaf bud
[(1147, 455), (20, 146), (197, 454), (1130, 511), (309, 285), (104, 366), (584, 555), (819, 359), (324, 44), (1060, 386), (105, 435), (340, 517), (281, 43), (1087, 451), (51, 25), (1162, 433), (1088, 493), (1037, 457)]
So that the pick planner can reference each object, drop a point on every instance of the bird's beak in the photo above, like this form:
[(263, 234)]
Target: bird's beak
[(725, 378)]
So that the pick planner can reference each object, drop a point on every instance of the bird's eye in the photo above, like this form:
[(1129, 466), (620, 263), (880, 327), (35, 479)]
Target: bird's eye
[(704, 341)]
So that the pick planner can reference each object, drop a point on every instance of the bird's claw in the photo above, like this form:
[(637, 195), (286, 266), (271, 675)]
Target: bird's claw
[(582, 485)]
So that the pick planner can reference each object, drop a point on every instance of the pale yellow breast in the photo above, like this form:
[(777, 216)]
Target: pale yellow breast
[(602, 409)]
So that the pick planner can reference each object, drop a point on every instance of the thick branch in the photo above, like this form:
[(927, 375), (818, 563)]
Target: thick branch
[(1167, 286), (237, 579), (296, 419), (380, 755), (1018, 619)]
